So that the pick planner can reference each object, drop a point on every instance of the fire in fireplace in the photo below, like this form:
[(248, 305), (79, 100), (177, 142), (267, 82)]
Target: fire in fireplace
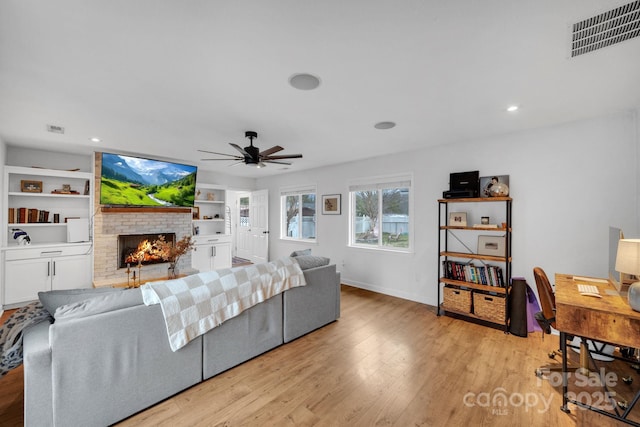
[(136, 248)]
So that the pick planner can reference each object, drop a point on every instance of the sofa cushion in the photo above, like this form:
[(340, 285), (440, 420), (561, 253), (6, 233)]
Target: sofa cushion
[(299, 253), (311, 261), (51, 300), (100, 304)]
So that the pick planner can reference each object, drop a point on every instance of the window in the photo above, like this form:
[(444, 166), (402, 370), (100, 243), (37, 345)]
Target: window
[(244, 211), (298, 207), (380, 214)]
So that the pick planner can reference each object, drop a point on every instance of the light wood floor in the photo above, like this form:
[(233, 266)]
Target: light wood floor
[(387, 361)]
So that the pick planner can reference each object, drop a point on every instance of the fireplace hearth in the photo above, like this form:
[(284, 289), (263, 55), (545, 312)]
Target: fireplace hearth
[(136, 248)]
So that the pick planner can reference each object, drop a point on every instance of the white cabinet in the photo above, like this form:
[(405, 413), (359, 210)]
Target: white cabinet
[(54, 207), (211, 215), (29, 271), (211, 253)]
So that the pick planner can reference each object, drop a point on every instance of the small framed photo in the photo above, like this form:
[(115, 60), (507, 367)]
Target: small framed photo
[(486, 182), (66, 188), (457, 219), (30, 186), (331, 204), (195, 212), (491, 245)]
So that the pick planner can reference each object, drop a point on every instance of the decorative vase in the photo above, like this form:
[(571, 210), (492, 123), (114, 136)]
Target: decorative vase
[(499, 189), (172, 271), (633, 295)]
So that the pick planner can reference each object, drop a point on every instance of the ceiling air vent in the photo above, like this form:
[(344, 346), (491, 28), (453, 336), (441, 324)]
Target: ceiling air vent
[(55, 129), (614, 26)]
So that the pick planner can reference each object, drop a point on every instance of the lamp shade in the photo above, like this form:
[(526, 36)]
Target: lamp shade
[(628, 261), (628, 257)]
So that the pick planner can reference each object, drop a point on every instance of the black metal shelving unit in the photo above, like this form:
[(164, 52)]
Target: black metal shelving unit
[(476, 290)]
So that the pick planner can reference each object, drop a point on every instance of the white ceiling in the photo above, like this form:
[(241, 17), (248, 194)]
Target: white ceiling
[(166, 78)]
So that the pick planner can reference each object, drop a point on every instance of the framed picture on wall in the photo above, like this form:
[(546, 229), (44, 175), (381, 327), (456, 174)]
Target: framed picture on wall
[(331, 204)]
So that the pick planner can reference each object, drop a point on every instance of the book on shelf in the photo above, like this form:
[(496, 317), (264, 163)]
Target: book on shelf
[(489, 275), (12, 216), (22, 215)]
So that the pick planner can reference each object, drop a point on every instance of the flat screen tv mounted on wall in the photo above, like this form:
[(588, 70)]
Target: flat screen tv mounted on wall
[(137, 181)]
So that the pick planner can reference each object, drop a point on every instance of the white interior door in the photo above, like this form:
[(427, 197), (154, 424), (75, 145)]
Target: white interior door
[(253, 226), (259, 233), (243, 226)]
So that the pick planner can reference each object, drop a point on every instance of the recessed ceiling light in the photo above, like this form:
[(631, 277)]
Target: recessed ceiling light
[(384, 125), (95, 139), (304, 81), (512, 108)]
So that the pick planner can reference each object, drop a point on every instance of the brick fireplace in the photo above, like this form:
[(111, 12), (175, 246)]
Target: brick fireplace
[(109, 224)]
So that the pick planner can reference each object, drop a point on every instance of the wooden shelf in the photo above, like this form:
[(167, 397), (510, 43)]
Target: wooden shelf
[(475, 200), (475, 256), (476, 286), (453, 227)]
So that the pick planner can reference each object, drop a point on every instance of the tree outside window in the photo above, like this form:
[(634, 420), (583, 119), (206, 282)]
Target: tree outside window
[(387, 230), (299, 216)]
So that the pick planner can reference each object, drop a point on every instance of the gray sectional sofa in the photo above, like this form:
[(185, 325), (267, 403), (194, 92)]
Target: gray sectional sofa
[(96, 370)]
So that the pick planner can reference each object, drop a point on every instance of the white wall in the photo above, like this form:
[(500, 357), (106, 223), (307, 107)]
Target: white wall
[(569, 184)]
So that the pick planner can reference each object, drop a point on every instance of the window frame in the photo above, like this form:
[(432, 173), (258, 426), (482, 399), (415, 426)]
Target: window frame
[(298, 191), (380, 184)]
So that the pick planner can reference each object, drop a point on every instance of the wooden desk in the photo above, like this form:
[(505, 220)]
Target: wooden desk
[(608, 319)]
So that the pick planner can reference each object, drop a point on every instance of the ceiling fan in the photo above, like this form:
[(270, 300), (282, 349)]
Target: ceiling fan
[(253, 156)]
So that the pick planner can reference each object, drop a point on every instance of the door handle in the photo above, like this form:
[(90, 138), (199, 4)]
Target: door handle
[(54, 268), (48, 268), (265, 232)]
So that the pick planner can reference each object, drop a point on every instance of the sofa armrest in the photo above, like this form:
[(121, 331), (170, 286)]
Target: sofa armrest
[(310, 307), (37, 376)]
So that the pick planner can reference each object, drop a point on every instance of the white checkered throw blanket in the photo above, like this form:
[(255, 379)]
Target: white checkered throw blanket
[(195, 304)]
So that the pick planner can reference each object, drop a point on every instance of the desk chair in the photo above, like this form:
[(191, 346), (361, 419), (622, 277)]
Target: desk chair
[(547, 317)]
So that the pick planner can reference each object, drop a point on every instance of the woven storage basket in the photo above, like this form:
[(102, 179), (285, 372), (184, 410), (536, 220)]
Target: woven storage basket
[(457, 300), (489, 307)]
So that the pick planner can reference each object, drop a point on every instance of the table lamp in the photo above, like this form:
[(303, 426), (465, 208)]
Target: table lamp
[(628, 261)]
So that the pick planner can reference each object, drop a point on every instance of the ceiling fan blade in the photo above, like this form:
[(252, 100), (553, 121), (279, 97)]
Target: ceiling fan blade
[(271, 150), (240, 149), (219, 154), (273, 161), (226, 160), (239, 162), (284, 156)]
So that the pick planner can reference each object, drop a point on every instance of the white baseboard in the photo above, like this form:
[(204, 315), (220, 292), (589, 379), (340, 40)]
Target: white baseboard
[(384, 291)]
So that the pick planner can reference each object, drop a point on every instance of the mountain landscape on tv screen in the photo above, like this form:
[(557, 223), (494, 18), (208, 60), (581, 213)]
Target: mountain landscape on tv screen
[(134, 181)]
